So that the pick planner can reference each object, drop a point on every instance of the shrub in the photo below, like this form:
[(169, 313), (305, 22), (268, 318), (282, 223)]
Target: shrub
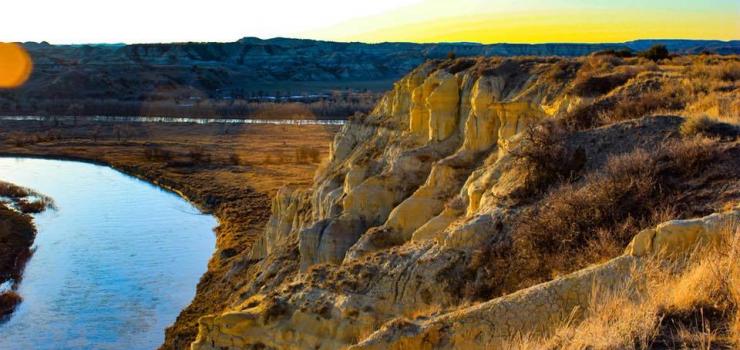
[(546, 159), (696, 125), (704, 125), (198, 155), (624, 53), (156, 153), (459, 65), (33, 207), (656, 53), (552, 235), (8, 302), (690, 303), (234, 159), (729, 72), (599, 85), (579, 224)]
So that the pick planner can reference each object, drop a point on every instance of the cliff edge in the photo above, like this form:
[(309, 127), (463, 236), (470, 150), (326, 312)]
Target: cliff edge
[(483, 199)]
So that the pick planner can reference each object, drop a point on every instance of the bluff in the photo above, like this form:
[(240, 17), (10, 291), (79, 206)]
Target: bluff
[(482, 198)]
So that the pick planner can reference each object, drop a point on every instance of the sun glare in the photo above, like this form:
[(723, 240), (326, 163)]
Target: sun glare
[(15, 65)]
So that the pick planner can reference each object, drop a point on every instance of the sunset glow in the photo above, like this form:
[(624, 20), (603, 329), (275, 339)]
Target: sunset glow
[(15, 65), (525, 21)]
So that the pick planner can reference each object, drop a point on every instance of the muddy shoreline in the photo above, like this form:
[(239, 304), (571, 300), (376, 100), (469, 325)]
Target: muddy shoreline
[(17, 233), (238, 196), (205, 301)]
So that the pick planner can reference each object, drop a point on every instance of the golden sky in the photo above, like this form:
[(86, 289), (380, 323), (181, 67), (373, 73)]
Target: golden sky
[(537, 21), (487, 21)]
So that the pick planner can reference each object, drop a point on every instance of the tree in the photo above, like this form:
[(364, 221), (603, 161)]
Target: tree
[(656, 53)]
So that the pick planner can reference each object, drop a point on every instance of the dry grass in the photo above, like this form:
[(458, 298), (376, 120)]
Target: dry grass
[(578, 224), (628, 88), (24, 199), (238, 194), (689, 303), (591, 220), (711, 126), (696, 125)]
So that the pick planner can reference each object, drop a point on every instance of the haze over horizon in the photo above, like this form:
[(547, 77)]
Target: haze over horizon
[(424, 21)]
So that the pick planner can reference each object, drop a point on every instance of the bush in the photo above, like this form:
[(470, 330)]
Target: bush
[(630, 108), (579, 224), (234, 159), (570, 215), (656, 53), (198, 155), (696, 125), (624, 107), (458, 65), (8, 302), (599, 85), (33, 207), (623, 53), (156, 153), (546, 159)]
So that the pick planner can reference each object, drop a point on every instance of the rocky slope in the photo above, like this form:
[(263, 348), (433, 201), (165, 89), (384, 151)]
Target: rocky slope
[(438, 215)]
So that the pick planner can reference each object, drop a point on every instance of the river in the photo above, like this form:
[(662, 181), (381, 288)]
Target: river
[(113, 265), (176, 120)]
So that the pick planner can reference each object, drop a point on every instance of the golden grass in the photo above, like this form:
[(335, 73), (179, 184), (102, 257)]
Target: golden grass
[(627, 88), (634, 317)]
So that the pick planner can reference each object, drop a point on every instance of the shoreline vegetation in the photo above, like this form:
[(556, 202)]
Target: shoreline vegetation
[(17, 233), (337, 105), (229, 171)]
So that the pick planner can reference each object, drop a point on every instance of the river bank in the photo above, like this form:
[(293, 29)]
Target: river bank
[(17, 233), (230, 171)]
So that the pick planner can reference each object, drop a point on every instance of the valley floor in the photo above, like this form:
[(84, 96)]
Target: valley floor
[(231, 171)]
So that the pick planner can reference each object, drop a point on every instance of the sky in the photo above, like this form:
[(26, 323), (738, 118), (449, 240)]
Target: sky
[(485, 21)]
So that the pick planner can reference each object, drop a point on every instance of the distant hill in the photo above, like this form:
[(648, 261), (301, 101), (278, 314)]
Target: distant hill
[(253, 67), (689, 46)]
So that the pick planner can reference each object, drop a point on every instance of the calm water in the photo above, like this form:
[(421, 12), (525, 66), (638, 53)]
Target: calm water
[(114, 264), (134, 119)]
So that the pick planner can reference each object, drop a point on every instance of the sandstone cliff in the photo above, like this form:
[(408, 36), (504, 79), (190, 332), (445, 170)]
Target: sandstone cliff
[(430, 212)]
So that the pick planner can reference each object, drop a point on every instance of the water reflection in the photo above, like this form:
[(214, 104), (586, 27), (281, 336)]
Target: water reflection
[(113, 265), (108, 119)]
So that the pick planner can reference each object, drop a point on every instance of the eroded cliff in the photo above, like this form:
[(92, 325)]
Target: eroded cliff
[(437, 199)]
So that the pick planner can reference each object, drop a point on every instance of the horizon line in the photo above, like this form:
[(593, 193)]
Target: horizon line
[(376, 42)]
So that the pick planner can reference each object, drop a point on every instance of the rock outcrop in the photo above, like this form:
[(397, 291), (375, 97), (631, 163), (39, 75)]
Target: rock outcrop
[(541, 309), (410, 191)]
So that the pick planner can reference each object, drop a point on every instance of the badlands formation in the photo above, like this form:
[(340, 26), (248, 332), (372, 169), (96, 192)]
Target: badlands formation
[(426, 227)]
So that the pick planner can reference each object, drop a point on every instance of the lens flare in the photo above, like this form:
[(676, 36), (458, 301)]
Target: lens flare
[(15, 65)]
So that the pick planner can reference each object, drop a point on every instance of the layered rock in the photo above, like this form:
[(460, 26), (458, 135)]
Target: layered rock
[(541, 309), (408, 193)]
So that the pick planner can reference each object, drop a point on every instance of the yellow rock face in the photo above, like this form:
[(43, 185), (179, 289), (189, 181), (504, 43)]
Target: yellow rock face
[(425, 203), (481, 127), (541, 309), (387, 230), (442, 100), (419, 114), (677, 237)]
